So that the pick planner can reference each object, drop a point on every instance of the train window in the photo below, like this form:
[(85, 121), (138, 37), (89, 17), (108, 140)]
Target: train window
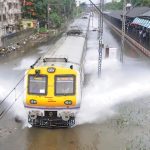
[(65, 85), (37, 85)]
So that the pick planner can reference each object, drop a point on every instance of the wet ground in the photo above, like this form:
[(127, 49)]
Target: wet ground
[(115, 112)]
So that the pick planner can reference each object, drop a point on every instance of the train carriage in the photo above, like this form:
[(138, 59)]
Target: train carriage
[(54, 83)]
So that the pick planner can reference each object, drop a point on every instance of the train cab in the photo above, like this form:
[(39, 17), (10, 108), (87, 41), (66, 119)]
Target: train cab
[(52, 93)]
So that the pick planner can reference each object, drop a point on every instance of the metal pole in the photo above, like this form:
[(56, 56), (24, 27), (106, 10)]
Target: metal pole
[(2, 21), (100, 38), (48, 16), (100, 35), (98, 9), (123, 30), (92, 14)]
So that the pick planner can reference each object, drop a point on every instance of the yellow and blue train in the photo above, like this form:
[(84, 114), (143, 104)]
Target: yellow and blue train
[(54, 83)]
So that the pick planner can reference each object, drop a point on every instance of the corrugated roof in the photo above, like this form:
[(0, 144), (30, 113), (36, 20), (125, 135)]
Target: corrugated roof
[(137, 11), (146, 14), (141, 22), (134, 12), (115, 14)]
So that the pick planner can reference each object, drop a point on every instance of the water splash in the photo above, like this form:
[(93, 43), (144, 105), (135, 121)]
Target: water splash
[(2, 92), (25, 63), (119, 83)]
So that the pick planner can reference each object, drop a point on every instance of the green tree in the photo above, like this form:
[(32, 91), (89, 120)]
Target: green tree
[(28, 10), (119, 5), (141, 2), (55, 19), (58, 10), (114, 5), (41, 9)]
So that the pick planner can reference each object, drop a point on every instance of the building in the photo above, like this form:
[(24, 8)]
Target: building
[(10, 14), (28, 23)]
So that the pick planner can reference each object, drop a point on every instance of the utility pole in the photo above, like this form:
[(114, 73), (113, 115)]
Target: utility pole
[(78, 7), (2, 25), (48, 11), (123, 30), (100, 37), (91, 8)]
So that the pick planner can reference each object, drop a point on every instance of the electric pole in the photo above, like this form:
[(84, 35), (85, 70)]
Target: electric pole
[(2, 25), (123, 30), (101, 4), (48, 11), (92, 13), (100, 33)]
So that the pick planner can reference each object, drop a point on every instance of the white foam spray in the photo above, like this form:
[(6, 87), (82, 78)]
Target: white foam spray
[(25, 63), (118, 83), (2, 91)]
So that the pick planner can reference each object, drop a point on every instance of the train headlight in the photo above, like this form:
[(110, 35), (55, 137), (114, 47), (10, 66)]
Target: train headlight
[(32, 101), (68, 102), (51, 70)]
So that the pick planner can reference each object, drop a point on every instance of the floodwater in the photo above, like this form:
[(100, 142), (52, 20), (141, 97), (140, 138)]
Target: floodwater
[(115, 111)]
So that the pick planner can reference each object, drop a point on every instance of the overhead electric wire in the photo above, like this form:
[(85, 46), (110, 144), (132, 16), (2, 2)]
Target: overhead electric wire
[(11, 91), (96, 7), (20, 80), (23, 77), (5, 110)]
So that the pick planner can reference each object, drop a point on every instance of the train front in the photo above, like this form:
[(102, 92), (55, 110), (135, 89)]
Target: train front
[(52, 96)]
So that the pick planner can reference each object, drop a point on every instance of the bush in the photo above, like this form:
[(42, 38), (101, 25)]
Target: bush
[(43, 30), (55, 19)]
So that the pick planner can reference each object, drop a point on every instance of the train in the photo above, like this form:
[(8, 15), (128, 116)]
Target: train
[(54, 82)]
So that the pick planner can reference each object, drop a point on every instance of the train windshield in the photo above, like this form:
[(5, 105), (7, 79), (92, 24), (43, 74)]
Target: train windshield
[(65, 85), (37, 85)]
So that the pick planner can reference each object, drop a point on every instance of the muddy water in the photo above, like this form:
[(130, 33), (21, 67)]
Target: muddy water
[(115, 112)]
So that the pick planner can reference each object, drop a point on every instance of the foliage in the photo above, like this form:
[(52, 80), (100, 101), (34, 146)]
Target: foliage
[(114, 5), (55, 19), (141, 2), (28, 10), (43, 30), (55, 10), (118, 5), (41, 9)]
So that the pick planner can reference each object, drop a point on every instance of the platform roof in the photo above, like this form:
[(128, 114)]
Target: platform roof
[(137, 11), (115, 14), (147, 14), (134, 12)]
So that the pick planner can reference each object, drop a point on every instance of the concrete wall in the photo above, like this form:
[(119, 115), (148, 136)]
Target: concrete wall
[(17, 37)]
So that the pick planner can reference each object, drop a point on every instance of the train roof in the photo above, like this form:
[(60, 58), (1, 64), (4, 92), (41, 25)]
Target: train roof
[(71, 47), (81, 24)]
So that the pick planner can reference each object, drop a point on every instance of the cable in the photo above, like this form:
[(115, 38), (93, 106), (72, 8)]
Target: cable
[(11, 91), (7, 109), (21, 80), (4, 112), (96, 7)]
